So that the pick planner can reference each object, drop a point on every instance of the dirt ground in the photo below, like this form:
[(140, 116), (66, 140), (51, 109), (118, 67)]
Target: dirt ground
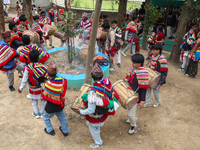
[(173, 125)]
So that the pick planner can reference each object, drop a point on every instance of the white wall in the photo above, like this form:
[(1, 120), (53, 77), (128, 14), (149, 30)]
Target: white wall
[(41, 3)]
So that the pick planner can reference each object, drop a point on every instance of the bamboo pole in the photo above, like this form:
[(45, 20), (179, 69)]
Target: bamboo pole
[(90, 56)]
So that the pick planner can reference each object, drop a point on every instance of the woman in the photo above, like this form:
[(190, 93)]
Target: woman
[(193, 59), (160, 36)]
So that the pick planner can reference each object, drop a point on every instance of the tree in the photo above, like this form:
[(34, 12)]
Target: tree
[(121, 12), (151, 15), (90, 56), (27, 10), (189, 11), (2, 22)]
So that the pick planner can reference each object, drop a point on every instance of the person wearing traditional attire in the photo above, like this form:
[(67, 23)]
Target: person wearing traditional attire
[(101, 101), (189, 40), (138, 80), (151, 41), (16, 19), (22, 26), (113, 44), (131, 35), (37, 28), (100, 42), (24, 53), (118, 34), (53, 15), (194, 57), (35, 74), (85, 26), (16, 40), (159, 64), (54, 93), (46, 20), (8, 65)]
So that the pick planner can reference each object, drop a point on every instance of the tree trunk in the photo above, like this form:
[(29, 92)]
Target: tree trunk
[(121, 13), (2, 22), (185, 17), (66, 5), (90, 56), (146, 27), (27, 10)]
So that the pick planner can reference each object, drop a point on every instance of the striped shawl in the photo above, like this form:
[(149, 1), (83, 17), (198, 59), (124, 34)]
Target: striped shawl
[(161, 60), (6, 54)]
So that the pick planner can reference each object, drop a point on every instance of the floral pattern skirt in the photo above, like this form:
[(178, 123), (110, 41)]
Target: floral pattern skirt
[(192, 68)]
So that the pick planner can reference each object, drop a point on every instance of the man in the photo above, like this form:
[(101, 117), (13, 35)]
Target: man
[(37, 28), (85, 26), (95, 101), (15, 38), (53, 15), (22, 26), (131, 35), (113, 44), (100, 42), (45, 20), (105, 18), (173, 24), (7, 61)]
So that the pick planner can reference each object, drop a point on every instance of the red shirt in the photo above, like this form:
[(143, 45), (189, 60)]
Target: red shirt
[(159, 36)]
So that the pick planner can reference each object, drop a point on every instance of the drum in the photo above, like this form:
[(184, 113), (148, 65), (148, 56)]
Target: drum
[(49, 30), (35, 38), (103, 35), (20, 48), (128, 98), (99, 32), (78, 101), (154, 78), (59, 35)]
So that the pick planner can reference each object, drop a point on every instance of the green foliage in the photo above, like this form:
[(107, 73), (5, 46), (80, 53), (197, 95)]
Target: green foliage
[(67, 25), (151, 16), (76, 3), (112, 5)]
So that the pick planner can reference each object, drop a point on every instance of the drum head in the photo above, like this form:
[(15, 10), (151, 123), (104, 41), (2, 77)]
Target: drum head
[(20, 48), (46, 28)]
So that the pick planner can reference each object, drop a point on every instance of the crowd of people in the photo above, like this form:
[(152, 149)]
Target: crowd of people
[(102, 100)]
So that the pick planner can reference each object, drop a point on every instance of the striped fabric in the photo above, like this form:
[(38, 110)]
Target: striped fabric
[(21, 29), (100, 24), (14, 36), (162, 61), (142, 77), (55, 90), (45, 20), (132, 27), (36, 70), (86, 25), (27, 49), (36, 27), (6, 54), (151, 41), (103, 88)]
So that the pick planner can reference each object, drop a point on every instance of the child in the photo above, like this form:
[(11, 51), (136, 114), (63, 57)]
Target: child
[(35, 74), (105, 18), (186, 48), (159, 64), (36, 28), (151, 41), (24, 53), (131, 35), (138, 80), (118, 34), (97, 102), (54, 93), (15, 41), (7, 60)]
